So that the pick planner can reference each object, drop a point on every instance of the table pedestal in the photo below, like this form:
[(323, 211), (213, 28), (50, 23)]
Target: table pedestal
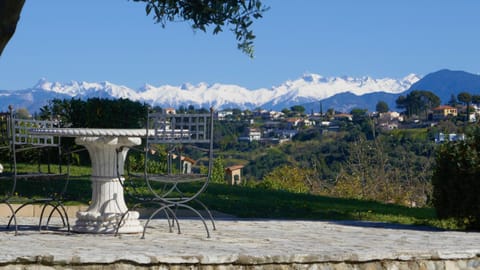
[(108, 204)]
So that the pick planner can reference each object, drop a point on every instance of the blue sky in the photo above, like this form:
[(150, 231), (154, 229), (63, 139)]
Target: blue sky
[(113, 40)]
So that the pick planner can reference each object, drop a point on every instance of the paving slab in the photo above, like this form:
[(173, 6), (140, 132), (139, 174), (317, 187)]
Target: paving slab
[(240, 242)]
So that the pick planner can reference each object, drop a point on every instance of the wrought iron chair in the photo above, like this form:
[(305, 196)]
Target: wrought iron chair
[(50, 177), (7, 181), (177, 167)]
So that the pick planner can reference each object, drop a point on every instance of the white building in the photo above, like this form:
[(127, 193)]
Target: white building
[(441, 137), (252, 134)]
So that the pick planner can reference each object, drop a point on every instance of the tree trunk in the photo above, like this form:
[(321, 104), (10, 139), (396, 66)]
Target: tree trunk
[(9, 15)]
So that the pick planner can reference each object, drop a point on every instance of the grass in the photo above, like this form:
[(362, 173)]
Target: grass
[(78, 184), (246, 202), (261, 203), (414, 133)]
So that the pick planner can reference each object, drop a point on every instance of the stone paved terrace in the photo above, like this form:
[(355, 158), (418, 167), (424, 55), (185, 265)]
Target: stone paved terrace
[(244, 244)]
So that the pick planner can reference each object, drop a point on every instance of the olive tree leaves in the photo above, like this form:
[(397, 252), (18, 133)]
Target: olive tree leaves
[(239, 14)]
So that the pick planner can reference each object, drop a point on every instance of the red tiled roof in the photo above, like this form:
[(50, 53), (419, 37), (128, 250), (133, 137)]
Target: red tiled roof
[(443, 107), (234, 168)]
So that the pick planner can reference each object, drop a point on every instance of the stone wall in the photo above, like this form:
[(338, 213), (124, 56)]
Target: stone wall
[(462, 264)]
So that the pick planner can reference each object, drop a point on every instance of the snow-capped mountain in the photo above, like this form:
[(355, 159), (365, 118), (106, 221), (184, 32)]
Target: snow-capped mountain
[(308, 88), (313, 87)]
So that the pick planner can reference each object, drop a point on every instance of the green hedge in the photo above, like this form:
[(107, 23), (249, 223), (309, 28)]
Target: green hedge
[(456, 181)]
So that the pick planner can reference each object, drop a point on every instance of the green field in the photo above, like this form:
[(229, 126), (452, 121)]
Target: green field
[(247, 202)]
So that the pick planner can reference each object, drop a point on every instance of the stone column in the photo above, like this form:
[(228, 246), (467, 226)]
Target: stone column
[(108, 204)]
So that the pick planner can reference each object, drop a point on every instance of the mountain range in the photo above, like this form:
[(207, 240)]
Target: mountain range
[(340, 93)]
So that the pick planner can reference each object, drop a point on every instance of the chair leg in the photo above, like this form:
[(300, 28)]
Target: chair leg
[(122, 218), (15, 213), (173, 220), (41, 217), (119, 223), (62, 212), (13, 217), (165, 208), (208, 212), (198, 214)]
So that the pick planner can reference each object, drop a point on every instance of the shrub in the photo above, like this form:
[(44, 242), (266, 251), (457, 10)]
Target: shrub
[(456, 181), (288, 178)]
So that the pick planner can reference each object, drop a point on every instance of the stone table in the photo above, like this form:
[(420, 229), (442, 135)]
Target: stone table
[(107, 203)]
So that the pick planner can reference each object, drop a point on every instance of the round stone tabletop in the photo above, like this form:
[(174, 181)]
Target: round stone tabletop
[(89, 132)]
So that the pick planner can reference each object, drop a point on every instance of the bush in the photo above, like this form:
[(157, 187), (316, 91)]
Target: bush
[(456, 181)]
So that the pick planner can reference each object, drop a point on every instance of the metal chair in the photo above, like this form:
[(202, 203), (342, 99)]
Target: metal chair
[(7, 181), (177, 167), (50, 181)]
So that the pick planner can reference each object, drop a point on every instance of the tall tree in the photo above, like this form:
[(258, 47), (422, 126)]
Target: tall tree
[(298, 109), (453, 101), (22, 113), (97, 112), (239, 14), (382, 107), (359, 115), (476, 99), (330, 113), (218, 171), (465, 98), (417, 101), (429, 100)]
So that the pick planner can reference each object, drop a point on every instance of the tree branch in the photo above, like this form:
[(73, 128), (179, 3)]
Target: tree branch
[(9, 15)]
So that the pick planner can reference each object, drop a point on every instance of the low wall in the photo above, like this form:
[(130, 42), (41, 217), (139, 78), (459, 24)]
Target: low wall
[(34, 210), (461, 264)]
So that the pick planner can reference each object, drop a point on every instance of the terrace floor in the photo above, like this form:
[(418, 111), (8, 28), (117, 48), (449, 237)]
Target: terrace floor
[(244, 244)]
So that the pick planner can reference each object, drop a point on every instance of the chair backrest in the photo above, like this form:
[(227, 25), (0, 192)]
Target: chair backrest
[(5, 146), (21, 135), (177, 131), (20, 139), (4, 130), (166, 128)]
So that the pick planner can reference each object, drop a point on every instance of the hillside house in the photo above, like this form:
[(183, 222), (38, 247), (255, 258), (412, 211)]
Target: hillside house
[(233, 175), (222, 115), (441, 137), (390, 116), (475, 112), (443, 112), (251, 135), (389, 120), (293, 122), (308, 122), (272, 125), (287, 133), (186, 163), (343, 116), (276, 115), (170, 111), (388, 125), (264, 114), (476, 108), (472, 117)]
